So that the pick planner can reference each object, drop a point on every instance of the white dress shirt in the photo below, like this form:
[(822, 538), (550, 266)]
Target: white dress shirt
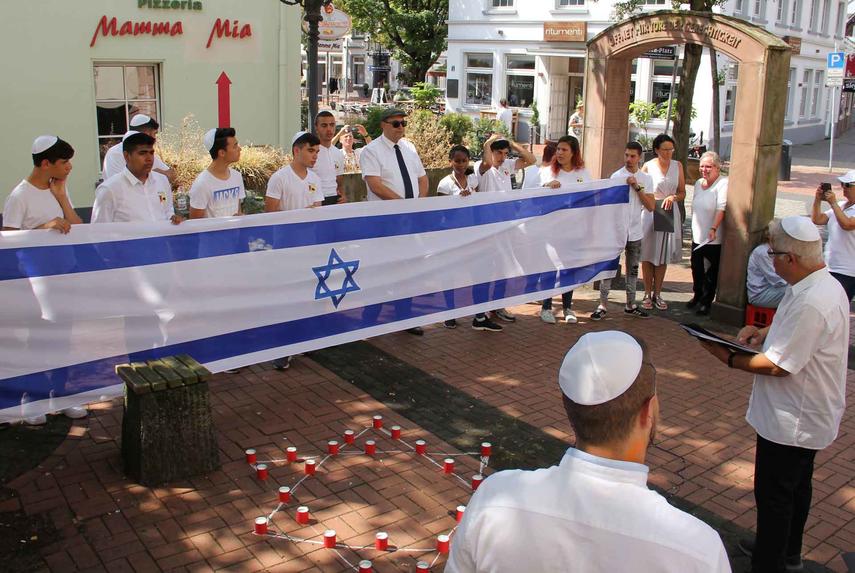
[(496, 178), (114, 162), (705, 204), (636, 231), (378, 159), (809, 338), (330, 164), (123, 198), (588, 514), (840, 248)]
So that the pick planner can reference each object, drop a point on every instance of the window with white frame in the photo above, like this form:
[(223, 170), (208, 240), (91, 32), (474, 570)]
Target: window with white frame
[(633, 80), (502, 3), (759, 8), (660, 88), (654, 2), (731, 79), (520, 80), (791, 92), (807, 80), (782, 11), (569, 3), (841, 18), (796, 13), (814, 15), (121, 92), (817, 93), (826, 16), (479, 79), (739, 7)]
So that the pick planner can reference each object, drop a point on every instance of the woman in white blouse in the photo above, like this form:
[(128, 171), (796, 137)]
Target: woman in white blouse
[(567, 168), (708, 204)]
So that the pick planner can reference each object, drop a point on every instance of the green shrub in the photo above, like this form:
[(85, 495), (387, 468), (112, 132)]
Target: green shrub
[(480, 132), (431, 138), (372, 121), (425, 95), (458, 125)]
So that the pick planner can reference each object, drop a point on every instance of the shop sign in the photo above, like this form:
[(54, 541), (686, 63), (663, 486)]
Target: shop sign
[(230, 29), (222, 28), (170, 4), (565, 31), (849, 85), (334, 24), (661, 53), (329, 46), (795, 44)]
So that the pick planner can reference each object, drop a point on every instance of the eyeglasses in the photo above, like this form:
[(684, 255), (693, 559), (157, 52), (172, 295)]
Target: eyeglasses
[(772, 253), (396, 124)]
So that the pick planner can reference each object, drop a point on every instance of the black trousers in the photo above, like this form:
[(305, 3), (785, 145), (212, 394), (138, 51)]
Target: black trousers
[(705, 281), (782, 490)]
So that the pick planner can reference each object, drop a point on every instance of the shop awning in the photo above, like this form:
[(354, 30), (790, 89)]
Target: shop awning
[(561, 53)]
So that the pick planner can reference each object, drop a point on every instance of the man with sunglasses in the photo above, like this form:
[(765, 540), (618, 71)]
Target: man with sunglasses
[(593, 511), (390, 164), (840, 220), (799, 391)]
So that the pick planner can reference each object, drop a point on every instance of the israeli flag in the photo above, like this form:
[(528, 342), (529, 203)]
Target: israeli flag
[(238, 291)]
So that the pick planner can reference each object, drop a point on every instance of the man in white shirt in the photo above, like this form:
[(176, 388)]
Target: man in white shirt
[(640, 198), (799, 390), (136, 193), (593, 512), (218, 191), (41, 201), (392, 169), (505, 115), (840, 220), (330, 165), (114, 159)]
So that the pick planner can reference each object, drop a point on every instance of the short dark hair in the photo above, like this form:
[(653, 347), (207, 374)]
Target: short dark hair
[(59, 150), (323, 113), (305, 139), (635, 146), (131, 142), (611, 422), (221, 140), (458, 149), (500, 144), (662, 138)]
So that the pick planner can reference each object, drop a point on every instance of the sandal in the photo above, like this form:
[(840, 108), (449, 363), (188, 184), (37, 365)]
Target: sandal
[(647, 303), (660, 304)]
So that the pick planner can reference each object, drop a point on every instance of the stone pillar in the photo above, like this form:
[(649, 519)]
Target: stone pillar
[(607, 82)]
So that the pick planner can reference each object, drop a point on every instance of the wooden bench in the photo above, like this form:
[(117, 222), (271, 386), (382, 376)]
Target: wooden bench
[(167, 428)]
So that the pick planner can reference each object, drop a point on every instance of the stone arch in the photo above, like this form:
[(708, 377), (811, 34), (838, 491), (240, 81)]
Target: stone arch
[(764, 61)]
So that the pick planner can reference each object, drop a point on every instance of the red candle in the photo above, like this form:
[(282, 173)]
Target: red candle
[(261, 526), (349, 436), (461, 509), (378, 422), (381, 541), (332, 447), (310, 467), (370, 447), (303, 515), (365, 566), (476, 481), (329, 538), (448, 466), (421, 447), (442, 543), (396, 432), (486, 449), (284, 494), (291, 453), (250, 456), (261, 471)]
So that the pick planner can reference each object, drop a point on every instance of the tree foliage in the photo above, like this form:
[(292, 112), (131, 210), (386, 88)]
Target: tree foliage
[(415, 30)]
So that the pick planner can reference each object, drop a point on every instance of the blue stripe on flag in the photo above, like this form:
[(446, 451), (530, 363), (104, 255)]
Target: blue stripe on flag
[(100, 373), (29, 262)]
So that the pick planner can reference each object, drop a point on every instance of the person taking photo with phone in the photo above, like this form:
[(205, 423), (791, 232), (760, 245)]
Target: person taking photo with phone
[(840, 220)]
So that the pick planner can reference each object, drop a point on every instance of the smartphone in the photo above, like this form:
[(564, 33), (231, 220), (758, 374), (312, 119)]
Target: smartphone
[(825, 187)]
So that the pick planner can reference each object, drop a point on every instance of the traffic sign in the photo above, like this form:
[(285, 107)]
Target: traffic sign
[(834, 82), (834, 68)]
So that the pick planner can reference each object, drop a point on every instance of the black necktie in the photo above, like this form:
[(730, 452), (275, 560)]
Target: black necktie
[(408, 185)]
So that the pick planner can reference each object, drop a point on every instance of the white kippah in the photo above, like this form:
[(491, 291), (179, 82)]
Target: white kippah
[(140, 119), (297, 136), (800, 228), (600, 367), (209, 137), (848, 177), (44, 142), (128, 134)]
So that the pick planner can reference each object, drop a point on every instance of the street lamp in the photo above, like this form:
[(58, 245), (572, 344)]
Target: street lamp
[(312, 8)]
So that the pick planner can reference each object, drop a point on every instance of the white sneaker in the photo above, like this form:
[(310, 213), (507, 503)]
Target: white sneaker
[(76, 412), (547, 316), (36, 420), (570, 317)]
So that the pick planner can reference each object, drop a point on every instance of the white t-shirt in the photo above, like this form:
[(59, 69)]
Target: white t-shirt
[(379, 159), (28, 207), (449, 186), (217, 197), (636, 231), (531, 177), (840, 248), (588, 514), (123, 198), (705, 203), (506, 116), (114, 162), (292, 191), (496, 178), (565, 178), (809, 338), (330, 164)]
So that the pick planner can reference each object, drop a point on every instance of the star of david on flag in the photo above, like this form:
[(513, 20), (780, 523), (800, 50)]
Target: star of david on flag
[(325, 272)]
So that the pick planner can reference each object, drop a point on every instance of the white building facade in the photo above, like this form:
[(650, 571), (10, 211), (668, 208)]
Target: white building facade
[(534, 51)]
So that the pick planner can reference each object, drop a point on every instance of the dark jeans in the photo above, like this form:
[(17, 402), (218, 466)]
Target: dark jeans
[(705, 281), (782, 490), (847, 282), (566, 301)]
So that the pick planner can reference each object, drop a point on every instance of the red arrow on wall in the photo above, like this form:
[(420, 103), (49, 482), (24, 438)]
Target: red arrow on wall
[(224, 100)]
